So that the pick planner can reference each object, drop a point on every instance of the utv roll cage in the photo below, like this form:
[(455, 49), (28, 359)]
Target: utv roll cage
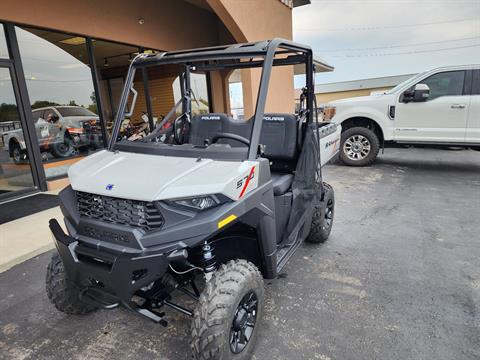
[(264, 54)]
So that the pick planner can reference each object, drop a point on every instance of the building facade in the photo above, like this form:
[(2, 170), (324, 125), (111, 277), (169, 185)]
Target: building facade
[(63, 62), (347, 89)]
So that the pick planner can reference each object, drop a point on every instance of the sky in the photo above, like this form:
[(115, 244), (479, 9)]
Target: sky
[(373, 38), (360, 38)]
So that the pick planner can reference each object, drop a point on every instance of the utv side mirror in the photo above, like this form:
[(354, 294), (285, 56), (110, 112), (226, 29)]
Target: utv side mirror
[(419, 93)]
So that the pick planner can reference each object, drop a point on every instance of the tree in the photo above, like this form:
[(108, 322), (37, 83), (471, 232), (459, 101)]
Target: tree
[(8, 112), (93, 106), (72, 103), (43, 103)]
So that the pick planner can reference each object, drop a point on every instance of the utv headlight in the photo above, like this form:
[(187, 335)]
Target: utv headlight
[(199, 202)]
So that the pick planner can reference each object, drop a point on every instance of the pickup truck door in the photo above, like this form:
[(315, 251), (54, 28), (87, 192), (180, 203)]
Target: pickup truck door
[(473, 122), (442, 117)]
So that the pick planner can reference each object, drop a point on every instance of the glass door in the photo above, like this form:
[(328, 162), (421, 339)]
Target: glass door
[(15, 168)]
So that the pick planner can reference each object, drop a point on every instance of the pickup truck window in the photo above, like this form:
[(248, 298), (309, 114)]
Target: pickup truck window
[(37, 114), (448, 83), (476, 82)]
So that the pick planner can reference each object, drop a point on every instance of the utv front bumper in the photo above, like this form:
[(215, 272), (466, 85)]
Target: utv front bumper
[(102, 275)]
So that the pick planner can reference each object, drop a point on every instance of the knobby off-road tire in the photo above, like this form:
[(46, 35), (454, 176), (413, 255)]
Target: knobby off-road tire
[(62, 293), (227, 304), (359, 146), (322, 221)]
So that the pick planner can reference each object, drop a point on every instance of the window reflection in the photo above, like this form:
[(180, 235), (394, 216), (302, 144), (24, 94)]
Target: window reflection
[(3, 44), (15, 173), (112, 60), (62, 97)]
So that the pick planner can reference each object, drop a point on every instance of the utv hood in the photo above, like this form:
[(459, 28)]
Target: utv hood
[(154, 177)]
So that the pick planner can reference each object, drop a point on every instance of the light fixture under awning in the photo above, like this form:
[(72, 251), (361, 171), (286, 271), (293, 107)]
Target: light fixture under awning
[(77, 40)]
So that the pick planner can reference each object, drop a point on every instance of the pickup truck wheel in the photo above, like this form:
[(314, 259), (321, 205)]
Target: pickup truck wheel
[(18, 155), (61, 292), (322, 220), (227, 317), (359, 146), (63, 149)]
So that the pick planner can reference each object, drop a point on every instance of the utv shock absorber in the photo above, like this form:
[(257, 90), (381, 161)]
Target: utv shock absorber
[(209, 263)]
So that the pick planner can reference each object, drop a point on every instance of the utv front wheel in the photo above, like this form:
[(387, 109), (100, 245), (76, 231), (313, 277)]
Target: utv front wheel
[(323, 217), (62, 293), (228, 314)]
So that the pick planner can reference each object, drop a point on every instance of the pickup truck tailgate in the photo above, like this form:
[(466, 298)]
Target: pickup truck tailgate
[(329, 141)]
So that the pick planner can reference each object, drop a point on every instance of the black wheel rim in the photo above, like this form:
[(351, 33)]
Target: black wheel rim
[(64, 148), (329, 214), (17, 156), (243, 322)]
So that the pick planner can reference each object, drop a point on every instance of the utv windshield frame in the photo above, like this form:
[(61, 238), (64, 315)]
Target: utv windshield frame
[(264, 54)]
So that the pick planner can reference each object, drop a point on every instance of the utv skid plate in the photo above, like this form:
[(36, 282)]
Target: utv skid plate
[(87, 265)]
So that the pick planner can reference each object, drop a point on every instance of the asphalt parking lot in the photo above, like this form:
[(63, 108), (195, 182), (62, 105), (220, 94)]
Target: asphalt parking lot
[(398, 279)]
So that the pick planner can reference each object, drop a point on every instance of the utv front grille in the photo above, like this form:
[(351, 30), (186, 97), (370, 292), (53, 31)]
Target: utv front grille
[(140, 214)]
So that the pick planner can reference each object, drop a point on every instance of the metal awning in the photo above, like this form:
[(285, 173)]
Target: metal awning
[(320, 66)]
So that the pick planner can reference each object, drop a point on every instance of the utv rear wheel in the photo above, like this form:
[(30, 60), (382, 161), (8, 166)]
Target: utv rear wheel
[(323, 217), (359, 146), (228, 314), (62, 293)]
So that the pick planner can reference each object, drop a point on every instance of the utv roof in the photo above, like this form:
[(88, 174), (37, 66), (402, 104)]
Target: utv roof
[(293, 53)]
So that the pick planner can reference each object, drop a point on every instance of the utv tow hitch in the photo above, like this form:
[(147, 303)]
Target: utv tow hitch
[(97, 297), (154, 300)]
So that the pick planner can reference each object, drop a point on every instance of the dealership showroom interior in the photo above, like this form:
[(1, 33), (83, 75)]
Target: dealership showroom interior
[(240, 179)]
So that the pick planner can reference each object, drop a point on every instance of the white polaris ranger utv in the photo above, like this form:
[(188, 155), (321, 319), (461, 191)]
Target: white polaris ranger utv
[(221, 202)]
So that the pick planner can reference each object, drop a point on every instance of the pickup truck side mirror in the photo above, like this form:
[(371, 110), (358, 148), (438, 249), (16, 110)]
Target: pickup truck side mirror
[(419, 93)]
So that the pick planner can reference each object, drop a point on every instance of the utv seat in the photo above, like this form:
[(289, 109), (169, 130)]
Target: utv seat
[(206, 126), (281, 183), (279, 139)]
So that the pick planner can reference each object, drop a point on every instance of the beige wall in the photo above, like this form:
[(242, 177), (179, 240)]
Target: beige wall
[(326, 97), (256, 20)]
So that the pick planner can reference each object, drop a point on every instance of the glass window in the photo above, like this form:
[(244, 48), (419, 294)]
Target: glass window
[(15, 171), (3, 44), (112, 60), (199, 86), (449, 83), (59, 82), (476, 82), (235, 93)]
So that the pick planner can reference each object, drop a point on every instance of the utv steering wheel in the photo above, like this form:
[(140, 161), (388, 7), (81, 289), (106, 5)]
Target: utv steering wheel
[(230, 136)]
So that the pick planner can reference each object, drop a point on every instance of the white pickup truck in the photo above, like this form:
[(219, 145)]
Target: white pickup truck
[(440, 107)]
